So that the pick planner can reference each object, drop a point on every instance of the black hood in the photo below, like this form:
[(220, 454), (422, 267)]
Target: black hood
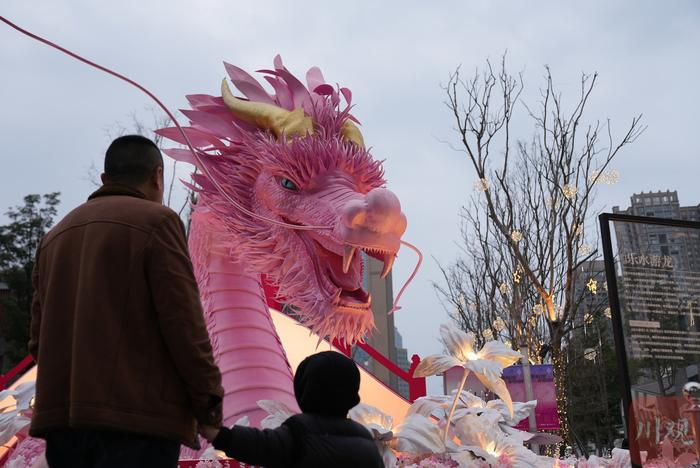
[(327, 383)]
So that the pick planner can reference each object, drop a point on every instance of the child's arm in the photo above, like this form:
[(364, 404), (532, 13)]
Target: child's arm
[(267, 447)]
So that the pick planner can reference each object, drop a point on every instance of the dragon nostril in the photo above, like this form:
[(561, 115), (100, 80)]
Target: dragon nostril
[(355, 214)]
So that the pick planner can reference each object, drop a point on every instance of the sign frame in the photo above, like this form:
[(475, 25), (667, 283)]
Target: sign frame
[(605, 220)]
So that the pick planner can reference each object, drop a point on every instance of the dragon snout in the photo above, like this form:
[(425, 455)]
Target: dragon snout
[(374, 223)]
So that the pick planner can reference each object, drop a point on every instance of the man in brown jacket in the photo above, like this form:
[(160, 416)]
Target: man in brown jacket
[(125, 365)]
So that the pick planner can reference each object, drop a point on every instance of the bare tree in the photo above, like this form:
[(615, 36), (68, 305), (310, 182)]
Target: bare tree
[(525, 230)]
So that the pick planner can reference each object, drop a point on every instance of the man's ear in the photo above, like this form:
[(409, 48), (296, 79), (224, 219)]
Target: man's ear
[(103, 178), (157, 177)]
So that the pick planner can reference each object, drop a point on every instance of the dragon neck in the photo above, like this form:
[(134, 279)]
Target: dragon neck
[(246, 346)]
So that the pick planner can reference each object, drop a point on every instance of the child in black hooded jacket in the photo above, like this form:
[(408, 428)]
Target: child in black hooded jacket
[(326, 387)]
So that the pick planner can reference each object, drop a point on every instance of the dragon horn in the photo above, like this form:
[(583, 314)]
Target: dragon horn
[(279, 121), (350, 132)]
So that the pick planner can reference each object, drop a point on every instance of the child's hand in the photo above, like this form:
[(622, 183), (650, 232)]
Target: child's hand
[(209, 432)]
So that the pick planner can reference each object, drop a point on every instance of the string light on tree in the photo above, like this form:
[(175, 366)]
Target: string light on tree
[(552, 203), (610, 177), (588, 318), (569, 191), (516, 236), (461, 300), (590, 354), (503, 288), (481, 185), (488, 334), (538, 309), (499, 324), (607, 312), (585, 249)]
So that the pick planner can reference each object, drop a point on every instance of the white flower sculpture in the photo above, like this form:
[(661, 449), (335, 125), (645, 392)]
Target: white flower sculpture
[(487, 364), (15, 417), (486, 440), (380, 425), (277, 413)]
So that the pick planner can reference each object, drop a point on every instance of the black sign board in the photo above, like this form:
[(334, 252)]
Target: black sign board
[(653, 279)]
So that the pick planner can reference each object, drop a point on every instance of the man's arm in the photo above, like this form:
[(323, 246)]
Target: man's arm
[(35, 325), (176, 300)]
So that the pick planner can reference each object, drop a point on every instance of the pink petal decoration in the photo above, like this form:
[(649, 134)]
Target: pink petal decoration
[(247, 85), (282, 94), (314, 78), (198, 100), (347, 94), (197, 138), (277, 62), (181, 155), (215, 125), (324, 89)]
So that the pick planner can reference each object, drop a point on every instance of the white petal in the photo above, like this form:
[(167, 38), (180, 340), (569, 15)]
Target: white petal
[(497, 351), (521, 411), (244, 421), (277, 413), (10, 424), (435, 364), (491, 369), (470, 400), (428, 405), (418, 434), (457, 342), (498, 386), (371, 417), (24, 394), (473, 430)]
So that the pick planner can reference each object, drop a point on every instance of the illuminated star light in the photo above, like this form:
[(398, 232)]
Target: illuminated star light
[(592, 286)]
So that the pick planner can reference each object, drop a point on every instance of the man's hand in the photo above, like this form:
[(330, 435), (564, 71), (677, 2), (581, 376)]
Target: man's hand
[(208, 432)]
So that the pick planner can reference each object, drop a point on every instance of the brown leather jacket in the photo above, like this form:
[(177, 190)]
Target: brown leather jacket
[(117, 327)]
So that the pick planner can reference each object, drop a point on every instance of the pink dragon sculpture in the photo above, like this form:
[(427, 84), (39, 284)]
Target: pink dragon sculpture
[(286, 189), (293, 194)]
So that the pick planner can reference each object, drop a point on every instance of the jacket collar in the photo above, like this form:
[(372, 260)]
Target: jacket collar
[(112, 189)]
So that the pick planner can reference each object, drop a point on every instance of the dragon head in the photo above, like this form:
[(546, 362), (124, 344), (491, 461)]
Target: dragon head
[(293, 192)]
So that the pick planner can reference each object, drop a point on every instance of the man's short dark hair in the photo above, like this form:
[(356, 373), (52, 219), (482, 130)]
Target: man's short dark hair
[(131, 159)]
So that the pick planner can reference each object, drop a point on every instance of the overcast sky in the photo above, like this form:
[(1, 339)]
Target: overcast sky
[(394, 56)]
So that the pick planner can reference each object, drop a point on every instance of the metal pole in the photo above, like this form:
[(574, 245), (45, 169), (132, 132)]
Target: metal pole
[(529, 394)]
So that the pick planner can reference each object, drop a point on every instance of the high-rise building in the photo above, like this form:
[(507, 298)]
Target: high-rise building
[(402, 362), (384, 338), (682, 246)]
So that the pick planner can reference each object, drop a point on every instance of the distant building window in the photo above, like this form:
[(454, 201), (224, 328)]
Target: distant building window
[(665, 199), (650, 213), (656, 200), (647, 201)]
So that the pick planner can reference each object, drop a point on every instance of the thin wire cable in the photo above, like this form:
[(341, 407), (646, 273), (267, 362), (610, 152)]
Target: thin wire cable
[(203, 167), (395, 307)]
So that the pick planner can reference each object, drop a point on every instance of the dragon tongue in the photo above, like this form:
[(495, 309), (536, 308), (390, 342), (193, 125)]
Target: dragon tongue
[(348, 255), (388, 263)]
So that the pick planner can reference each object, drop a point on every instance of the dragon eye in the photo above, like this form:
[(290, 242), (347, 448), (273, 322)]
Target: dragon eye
[(288, 184)]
